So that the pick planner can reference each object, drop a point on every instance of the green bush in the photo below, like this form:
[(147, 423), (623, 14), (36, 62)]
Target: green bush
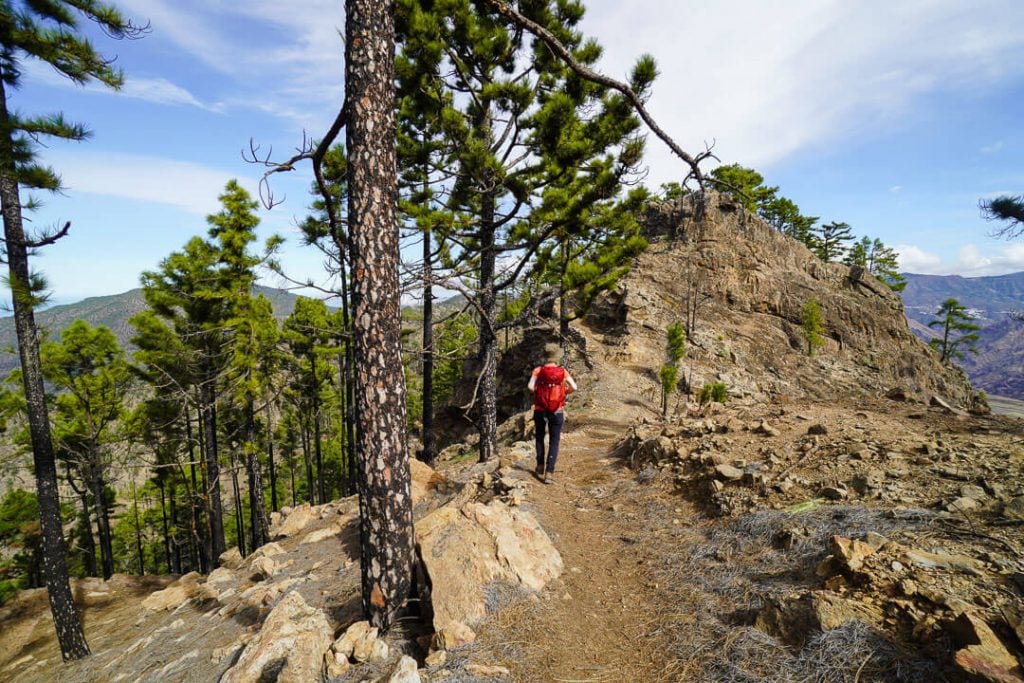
[(715, 391)]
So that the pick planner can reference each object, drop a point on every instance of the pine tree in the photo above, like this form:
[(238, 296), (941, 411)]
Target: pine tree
[(813, 326), (1008, 209), (384, 484), (675, 348), (90, 370), (879, 260), (47, 30), (533, 149), (958, 332), (830, 241)]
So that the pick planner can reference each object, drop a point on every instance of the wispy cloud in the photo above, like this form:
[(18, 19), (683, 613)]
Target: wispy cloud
[(156, 90), (993, 148), (188, 186), (803, 74)]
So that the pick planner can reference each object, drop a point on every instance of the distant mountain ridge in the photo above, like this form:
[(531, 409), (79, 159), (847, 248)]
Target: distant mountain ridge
[(112, 311), (998, 367)]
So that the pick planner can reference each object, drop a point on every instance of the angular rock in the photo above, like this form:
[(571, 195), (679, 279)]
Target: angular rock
[(961, 563), (465, 550), (452, 635), (322, 534), (728, 472), (962, 505), (850, 554), (405, 671), (835, 493), (1014, 508), (175, 595), (337, 664), (263, 568), (292, 642), (982, 655), (346, 643), (362, 650), (817, 429), (232, 558), (424, 480), (295, 522)]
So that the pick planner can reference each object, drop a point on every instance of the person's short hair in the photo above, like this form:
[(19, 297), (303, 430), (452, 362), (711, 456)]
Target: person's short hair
[(552, 353)]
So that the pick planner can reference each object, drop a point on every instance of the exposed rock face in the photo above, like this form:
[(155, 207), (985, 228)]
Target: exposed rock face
[(752, 282), (288, 649), (175, 595)]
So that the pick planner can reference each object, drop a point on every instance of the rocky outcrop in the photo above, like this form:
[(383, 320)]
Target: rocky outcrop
[(750, 283)]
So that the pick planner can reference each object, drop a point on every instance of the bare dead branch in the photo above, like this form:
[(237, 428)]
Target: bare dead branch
[(589, 74)]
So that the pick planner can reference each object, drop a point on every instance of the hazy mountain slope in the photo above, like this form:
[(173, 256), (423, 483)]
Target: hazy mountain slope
[(998, 368), (111, 311)]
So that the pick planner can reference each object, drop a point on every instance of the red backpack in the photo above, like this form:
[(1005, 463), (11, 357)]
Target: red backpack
[(549, 391)]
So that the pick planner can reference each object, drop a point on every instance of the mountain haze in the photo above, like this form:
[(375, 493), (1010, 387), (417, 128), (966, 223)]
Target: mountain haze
[(112, 311), (997, 366)]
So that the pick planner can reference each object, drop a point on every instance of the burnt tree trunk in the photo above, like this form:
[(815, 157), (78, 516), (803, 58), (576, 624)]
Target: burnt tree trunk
[(65, 616), (321, 493), (487, 420), (385, 503), (429, 453)]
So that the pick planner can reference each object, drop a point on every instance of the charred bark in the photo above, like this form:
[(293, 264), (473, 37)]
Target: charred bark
[(65, 616), (384, 488)]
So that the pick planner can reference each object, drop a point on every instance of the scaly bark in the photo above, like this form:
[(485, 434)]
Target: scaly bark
[(384, 488), (65, 616)]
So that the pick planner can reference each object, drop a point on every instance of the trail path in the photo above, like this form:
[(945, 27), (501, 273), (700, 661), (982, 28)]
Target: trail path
[(593, 624)]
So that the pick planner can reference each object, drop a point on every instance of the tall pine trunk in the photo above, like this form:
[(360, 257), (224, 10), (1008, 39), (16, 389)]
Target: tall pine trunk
[(258, 523), (89, 543), (427, 435), (487, 420), (214, 508), (321, 493), (65, 616), (97, 486), (199, 534), (385, 503), (270, 464)]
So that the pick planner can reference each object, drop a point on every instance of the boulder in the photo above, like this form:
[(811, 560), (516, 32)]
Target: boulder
[(960, 563), (232, 559), (295, 522), (466, 549), (175, 595), (817, 429), (292, 642), (263, 568)]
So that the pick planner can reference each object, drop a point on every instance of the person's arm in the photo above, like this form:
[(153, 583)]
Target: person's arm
[(532, 385), (571, 382)]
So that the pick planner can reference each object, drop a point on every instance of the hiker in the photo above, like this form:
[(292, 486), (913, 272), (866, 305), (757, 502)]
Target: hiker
[(550, 384)]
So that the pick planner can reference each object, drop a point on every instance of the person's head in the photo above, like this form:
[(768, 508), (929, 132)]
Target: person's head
[(552, 353)]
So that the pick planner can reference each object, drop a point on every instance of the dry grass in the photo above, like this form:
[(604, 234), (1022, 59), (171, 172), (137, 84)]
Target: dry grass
[(717, 576)]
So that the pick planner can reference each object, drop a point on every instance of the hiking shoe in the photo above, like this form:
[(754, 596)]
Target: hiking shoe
[(539, 471), (549, 478)]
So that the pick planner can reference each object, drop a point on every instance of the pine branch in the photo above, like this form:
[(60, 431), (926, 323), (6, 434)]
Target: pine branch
[(589, 74)]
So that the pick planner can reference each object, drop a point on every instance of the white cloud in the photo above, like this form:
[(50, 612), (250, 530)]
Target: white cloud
[(188, 186), (913, 259), (896, 189), (156, 90), (970, 260), (993, 148), (768, 80)]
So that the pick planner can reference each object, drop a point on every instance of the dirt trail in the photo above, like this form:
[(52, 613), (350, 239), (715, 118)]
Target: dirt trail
[(593, 624)]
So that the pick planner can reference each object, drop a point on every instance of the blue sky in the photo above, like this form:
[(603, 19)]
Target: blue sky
[(894, 117)]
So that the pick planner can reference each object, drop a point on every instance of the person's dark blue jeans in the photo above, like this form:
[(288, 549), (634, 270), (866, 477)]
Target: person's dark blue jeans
[(552, 423)]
